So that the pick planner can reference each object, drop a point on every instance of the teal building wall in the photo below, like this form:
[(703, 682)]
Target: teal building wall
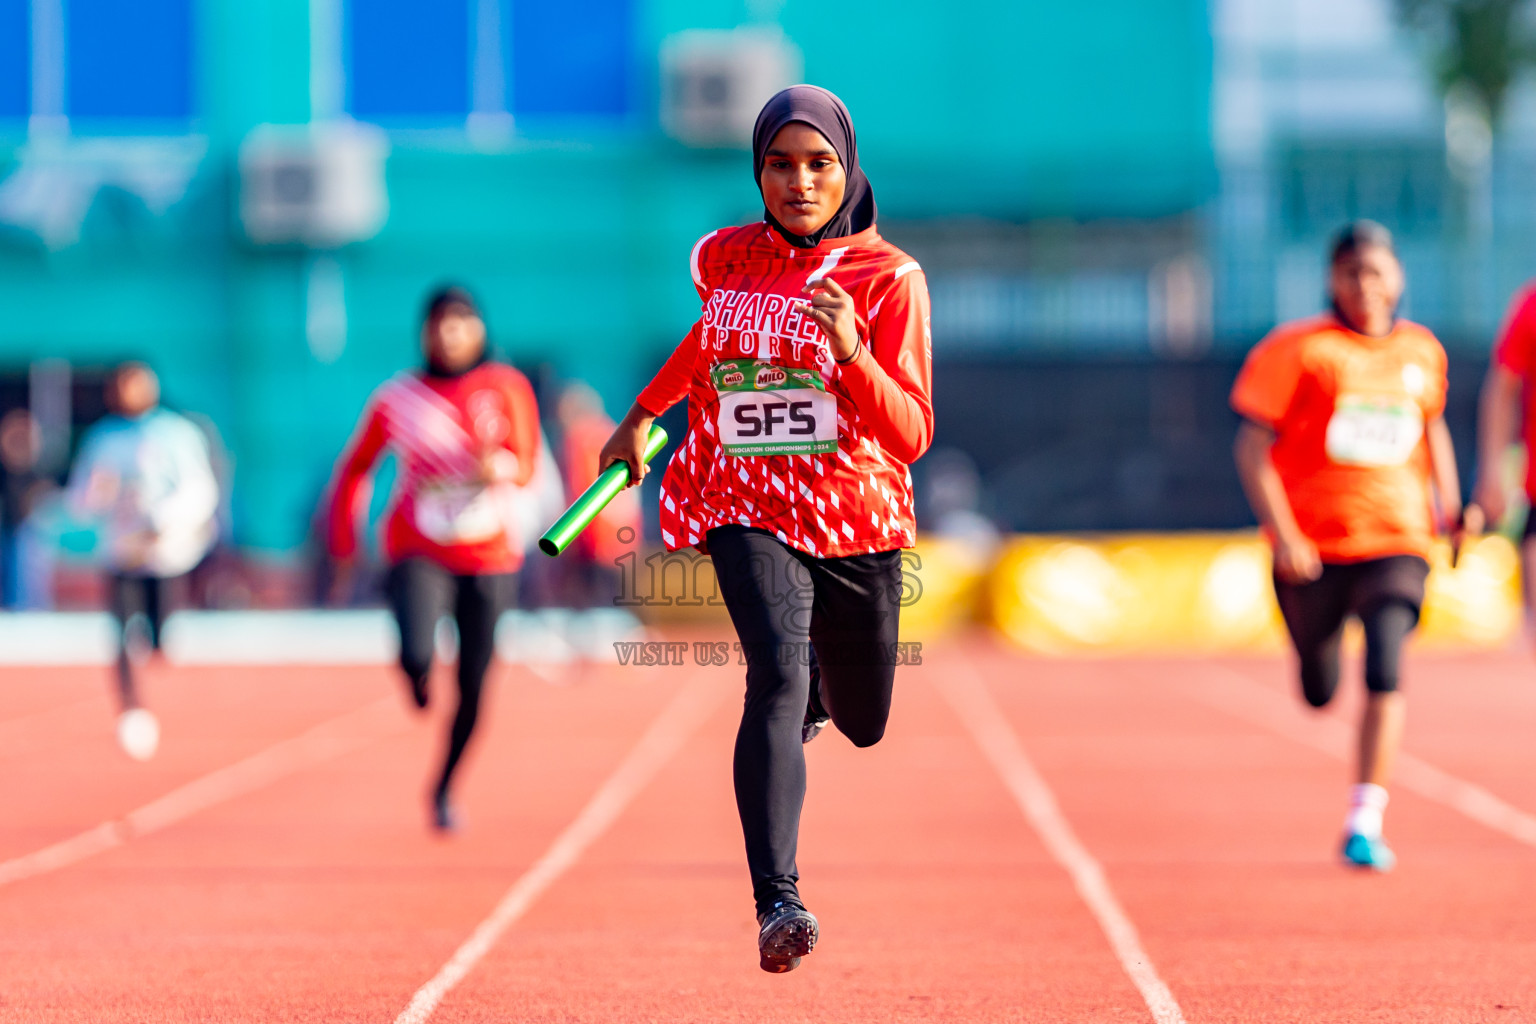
[(574, 230)]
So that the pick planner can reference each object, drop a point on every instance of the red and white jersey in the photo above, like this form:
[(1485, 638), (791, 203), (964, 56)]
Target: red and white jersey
[(464, 445), (780, 436)]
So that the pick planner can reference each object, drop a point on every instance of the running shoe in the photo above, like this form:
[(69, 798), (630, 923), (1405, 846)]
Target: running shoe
[(444, 818), (418, 690), (785, 934), (1368, 852), (138, 733), (815, 721)]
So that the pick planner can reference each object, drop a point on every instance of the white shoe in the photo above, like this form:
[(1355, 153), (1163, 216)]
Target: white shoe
[(138, 733)]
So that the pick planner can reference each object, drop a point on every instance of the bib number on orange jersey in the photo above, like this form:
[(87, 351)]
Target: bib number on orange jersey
[(1374, 431), (773, 410)]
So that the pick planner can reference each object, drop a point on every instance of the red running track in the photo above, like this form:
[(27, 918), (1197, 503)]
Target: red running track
[(311, 891)]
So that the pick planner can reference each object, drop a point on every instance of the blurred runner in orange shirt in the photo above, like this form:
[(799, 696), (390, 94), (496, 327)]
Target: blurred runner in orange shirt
[(1346, 458)]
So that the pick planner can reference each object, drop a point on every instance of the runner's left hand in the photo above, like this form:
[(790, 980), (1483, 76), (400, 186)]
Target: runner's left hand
[(1489, 496), (1469, 522), (832, 308), (496, 465), (1473, 521)]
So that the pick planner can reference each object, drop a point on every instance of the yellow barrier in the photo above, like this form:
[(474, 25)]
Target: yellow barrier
[(944, 583), (1208, 593), (1173, 593)]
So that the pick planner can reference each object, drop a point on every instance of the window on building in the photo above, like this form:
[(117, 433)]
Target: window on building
[(129, 60), (571, 58), (415, 60), (408, 59), (15, 59)]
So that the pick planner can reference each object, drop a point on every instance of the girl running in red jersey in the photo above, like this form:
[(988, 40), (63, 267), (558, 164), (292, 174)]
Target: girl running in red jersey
[(808, 380), (1347, 460), (465, 432)]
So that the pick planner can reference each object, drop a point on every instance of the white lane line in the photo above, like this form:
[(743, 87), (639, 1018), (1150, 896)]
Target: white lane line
[(1254, 703), (980, 713), (328, 740), (666, 735)]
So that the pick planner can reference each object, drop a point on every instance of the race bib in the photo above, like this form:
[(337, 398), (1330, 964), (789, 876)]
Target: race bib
[(458, 513), (773, 410), (1374, 431)]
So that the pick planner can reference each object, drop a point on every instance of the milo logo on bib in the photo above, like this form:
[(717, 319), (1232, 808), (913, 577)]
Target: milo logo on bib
[(773, 410), (770, 377)]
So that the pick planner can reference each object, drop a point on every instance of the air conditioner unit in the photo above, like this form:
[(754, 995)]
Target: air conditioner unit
[(319, 185), (713, 83)]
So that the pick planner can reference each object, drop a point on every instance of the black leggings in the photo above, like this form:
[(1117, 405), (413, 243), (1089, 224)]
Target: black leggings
[(799, 616), (1385, 594), (422, 592), (139, 606)]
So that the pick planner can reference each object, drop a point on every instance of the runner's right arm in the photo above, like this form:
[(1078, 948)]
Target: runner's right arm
[(666, 389), (1296, 557), (90, 491), (350, 486), (1262, 396)]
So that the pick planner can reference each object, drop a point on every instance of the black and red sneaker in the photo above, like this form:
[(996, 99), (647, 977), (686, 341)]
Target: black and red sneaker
[(786, 933), (813, 724)]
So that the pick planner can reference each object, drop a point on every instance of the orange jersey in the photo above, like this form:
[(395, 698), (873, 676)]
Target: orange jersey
[(1349, 413), (1516, 352), (780, 436)]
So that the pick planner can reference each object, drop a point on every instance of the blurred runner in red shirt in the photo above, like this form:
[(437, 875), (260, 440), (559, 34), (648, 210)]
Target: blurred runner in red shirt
[(465, 434), (1507, 415)]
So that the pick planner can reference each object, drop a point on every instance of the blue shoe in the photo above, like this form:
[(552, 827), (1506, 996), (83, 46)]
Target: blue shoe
[(1369, 852), (786, 933)]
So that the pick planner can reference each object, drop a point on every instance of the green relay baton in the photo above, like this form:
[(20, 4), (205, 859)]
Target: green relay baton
[(596, 498)]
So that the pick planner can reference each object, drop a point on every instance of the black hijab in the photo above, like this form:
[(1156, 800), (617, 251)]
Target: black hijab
[(457, 299), (824, 112)]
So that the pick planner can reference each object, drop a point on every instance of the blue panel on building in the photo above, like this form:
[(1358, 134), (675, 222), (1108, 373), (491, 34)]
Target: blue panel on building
[(409, 58), (572, 58), (14, 65), (130, 60)]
